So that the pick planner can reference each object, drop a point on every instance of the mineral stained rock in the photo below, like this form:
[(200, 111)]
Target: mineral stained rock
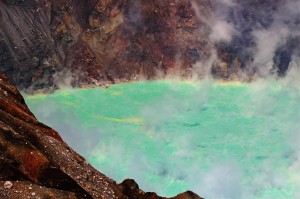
[(50, 42), (35, 161)]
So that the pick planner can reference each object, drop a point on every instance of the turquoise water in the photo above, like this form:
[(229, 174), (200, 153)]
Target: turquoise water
[(228, 141)]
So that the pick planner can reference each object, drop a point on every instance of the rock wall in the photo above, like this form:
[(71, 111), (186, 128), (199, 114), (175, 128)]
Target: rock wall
[(97, 41), (44, 43), (113, 41)]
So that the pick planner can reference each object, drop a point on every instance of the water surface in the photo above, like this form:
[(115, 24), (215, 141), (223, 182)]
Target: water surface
[(228, 141)]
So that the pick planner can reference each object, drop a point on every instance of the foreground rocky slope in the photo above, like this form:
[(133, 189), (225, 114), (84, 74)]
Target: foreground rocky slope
[(36, 162)]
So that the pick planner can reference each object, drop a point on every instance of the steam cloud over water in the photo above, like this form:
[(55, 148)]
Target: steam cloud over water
[(261, 37), (220, 140)]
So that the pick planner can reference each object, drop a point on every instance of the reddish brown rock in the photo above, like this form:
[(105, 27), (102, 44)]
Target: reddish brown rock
[(99, 41), (125, 40)]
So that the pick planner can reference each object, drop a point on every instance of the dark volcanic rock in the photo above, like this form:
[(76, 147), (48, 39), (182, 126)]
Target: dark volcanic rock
[(131, 189), (27, 50), (35, 160)]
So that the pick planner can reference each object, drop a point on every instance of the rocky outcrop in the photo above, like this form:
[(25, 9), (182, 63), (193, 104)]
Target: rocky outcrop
[(131, 189), (35, 161)]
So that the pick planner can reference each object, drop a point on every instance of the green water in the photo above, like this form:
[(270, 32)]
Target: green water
[(228, 141)]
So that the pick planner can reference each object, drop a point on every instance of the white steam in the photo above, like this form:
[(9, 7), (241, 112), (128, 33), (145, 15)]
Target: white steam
[(267, 43), (222, 31), (267, 28)]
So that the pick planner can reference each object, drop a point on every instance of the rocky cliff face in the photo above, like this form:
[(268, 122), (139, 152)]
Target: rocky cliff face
[(98, 41), (27, 50), (47, 42), (36, 162), (124, 40)]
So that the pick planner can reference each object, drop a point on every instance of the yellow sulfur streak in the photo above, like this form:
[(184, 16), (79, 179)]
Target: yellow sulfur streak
[(124, 120)]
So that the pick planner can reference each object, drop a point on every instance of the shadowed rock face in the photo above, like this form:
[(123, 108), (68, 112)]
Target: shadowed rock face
[(35, 160), (27, 50)]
